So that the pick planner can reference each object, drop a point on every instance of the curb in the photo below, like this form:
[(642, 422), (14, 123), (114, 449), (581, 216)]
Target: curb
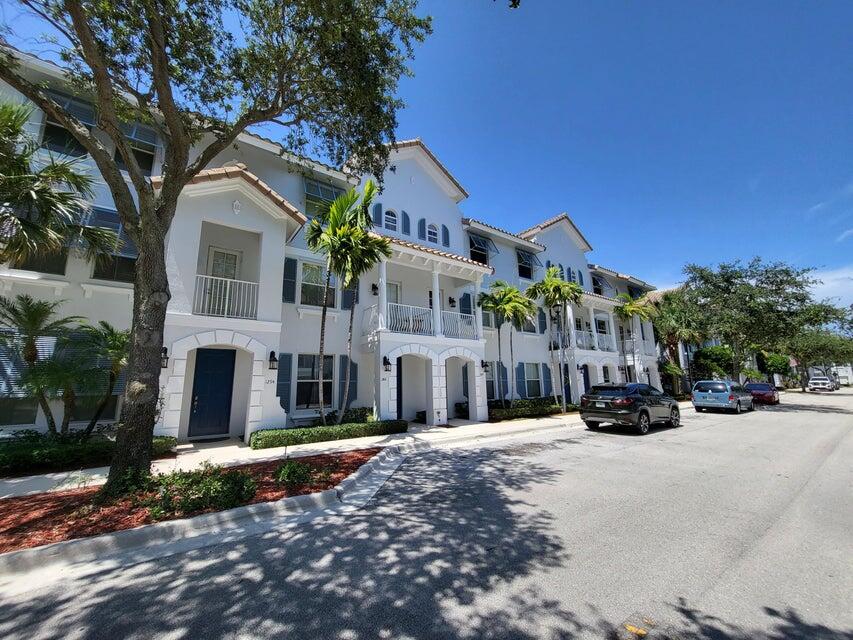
[(146, 542)]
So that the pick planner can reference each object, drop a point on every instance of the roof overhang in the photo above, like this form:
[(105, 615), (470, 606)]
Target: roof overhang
[(561, 219), (505, 236), (423, 257), (622, 276), (314, 166)]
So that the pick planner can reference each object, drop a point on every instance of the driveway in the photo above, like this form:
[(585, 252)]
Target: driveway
[(729, 527)]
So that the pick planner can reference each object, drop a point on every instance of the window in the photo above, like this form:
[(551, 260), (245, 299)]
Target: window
[(602, 287), (313, 283), (53, 263), (390, 220), (531, 378), (600, 326), (481, 248), (527, 263), (318, 197), (308, 381), (491, 393), (580, 278), (18, 410), (578, 324), (529, 326), (489, 319), (121, 266), (605, 373), (87, 405), (432, 233), (56, 137)]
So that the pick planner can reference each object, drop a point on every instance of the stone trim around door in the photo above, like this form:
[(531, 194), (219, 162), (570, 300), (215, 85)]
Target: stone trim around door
[(170, 419), (481, 409)]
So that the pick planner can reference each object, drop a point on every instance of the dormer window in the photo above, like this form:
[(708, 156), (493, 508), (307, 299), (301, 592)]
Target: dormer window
[(602, 287), (57, 138), (432, 233), (390, 221), (319, 197), (143, 143), (481, 248)]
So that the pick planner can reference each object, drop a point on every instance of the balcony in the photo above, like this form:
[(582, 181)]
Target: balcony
[(647, 347), (585, 340), (459, 325), (225, 298), (604, 342), (418, 321), (405, 318)]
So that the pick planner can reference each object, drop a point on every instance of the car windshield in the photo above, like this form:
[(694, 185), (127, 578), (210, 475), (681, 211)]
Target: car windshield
[(609, 391), (710, 387), (820, 379), (759, 386)]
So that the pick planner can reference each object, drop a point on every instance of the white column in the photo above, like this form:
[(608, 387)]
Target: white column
[(592, 328), (570, 326), (612, 325), (478, 310), (383, 293), (436, 304)]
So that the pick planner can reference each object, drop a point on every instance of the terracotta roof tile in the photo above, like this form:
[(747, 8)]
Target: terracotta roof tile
[(239, 171), (434, 251), (509, 233)]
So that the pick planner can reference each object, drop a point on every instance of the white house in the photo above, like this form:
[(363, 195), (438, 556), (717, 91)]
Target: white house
[(242, 327)]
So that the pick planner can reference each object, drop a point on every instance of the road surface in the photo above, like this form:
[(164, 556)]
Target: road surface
[(729, 527)]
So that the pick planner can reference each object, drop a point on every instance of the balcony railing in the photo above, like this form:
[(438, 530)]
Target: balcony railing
[(404, 318), (604, 341), (225, 298), (459, 325), (647, 347), (585, 340)]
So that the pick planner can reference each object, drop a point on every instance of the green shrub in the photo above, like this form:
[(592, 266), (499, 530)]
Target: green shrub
[(544, 401), (210, 487), (292, 473), (268, 438), (353, 415), (161, 445), (497, 414)]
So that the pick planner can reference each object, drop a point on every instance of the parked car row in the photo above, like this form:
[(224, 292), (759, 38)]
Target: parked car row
[(639, 405)]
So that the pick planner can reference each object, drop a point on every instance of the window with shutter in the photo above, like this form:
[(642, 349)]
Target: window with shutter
[(422, 229), (406, 224), (445, 236)]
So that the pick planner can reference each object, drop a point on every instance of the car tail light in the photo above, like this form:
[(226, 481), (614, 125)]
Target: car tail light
[(622, 402), (584, 401), (731, 397)]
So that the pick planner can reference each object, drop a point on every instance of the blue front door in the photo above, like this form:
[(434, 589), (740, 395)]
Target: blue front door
[(210, 409)]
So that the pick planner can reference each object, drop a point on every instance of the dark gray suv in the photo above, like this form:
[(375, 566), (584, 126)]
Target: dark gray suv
[(630, 403)]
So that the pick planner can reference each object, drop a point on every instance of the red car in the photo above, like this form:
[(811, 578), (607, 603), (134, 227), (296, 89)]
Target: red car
[(763, 392)]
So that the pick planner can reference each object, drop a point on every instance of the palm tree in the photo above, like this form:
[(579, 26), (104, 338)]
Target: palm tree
[(330, 234), (507, 304), (28, 320), (111, 349), (555, 294), (42, 204), (631, 308), (676, 321)]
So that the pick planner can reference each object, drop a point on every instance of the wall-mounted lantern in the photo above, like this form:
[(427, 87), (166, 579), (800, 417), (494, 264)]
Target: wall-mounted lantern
[(386, 363), (484, 365), (273, 361), (375, 289), (452, 302), (164, 358)]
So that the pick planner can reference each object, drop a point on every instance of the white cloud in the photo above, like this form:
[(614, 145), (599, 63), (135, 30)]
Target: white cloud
[(836, 284), (844, 235)]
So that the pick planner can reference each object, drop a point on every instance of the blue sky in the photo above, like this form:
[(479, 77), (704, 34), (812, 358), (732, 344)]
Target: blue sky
[(671, 132)]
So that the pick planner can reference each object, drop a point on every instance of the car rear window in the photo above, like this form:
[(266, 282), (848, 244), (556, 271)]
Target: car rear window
[(758, 386), (710, 387), (609, 391)]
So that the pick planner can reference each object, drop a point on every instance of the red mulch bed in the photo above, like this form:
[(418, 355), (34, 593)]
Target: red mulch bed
[(44, 518)]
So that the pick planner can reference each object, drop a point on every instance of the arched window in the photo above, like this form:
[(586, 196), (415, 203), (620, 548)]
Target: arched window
[(390, 220), (432, 233)]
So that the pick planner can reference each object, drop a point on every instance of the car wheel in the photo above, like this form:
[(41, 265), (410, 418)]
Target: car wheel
[(737, 408), (752, 406), (593, 426), (674, 418), (643, 424)]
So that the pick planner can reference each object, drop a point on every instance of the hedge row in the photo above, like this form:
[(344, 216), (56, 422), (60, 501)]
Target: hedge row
[(44, 454), (497, 414), (268, 438), (351, 416)]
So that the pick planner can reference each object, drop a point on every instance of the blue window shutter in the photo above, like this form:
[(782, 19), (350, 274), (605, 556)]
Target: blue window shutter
[(580, 277), (547, 264), (547, 389), (465, 380), (465, 303), (406, 224), (349, 296), (445, 236), (377, 214), (282, 390), (288, 289), (504, 381), (543, 322), (520, 381), (422, 229)]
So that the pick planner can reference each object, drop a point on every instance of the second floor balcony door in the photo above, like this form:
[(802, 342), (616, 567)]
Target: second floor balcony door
[(222, 265)]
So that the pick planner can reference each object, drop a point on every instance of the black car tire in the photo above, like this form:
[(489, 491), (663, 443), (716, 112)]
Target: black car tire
[(592, 426), (643, 423), (674, 418), (737, 408)]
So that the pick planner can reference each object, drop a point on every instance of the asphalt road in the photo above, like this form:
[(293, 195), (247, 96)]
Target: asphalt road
[(729, 527)]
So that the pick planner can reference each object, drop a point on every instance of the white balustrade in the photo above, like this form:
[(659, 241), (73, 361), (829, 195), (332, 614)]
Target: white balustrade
[(404, 318), (459, 325), (370, 320), (225, 298), (585, 340), (604, 342)]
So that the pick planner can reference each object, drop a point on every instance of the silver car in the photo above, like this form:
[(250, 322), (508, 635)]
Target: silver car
[(821, 383)]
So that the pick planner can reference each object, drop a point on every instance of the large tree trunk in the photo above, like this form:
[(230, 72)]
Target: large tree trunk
[(345, 399), (102, 405), (69, 401), (323, 343), (48, 414), (500, 364), (511, 369), (151, 295), (563, 356), (553, 358)]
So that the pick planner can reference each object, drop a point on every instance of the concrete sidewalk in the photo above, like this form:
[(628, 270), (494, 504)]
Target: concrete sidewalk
[(234, 452)]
